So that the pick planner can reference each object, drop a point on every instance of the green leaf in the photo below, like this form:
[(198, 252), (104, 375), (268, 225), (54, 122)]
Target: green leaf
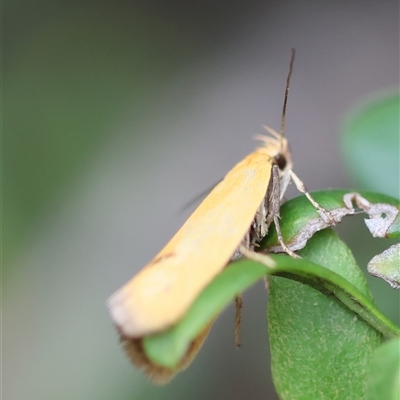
[(371, 144), (384, 372), (169, 347), (320, 349)]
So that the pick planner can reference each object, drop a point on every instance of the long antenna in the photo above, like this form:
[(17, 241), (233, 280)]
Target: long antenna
[(282, 133)]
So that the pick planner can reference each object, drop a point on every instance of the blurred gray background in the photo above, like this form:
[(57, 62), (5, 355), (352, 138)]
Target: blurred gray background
[(115, 115)]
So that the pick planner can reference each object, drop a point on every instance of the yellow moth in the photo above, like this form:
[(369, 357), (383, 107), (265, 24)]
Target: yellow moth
[(237, 212)]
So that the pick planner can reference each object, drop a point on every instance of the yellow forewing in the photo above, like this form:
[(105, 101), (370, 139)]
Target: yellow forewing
[(161, 293)]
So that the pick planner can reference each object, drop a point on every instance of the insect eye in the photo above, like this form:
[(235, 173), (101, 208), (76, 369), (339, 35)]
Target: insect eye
[(281, 161)]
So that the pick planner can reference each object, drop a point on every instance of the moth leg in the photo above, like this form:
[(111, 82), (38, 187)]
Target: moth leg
[(275, 203), (324, 214), (238, 318), (284, 181), (246, 244)]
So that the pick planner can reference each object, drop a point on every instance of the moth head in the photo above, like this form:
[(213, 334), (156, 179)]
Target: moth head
[(277, 147), (283, 159)]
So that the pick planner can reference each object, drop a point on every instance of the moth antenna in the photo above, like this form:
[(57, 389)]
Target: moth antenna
[(282, 132)]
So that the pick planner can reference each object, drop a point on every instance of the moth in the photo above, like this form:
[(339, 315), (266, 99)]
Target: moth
[(237, 212)]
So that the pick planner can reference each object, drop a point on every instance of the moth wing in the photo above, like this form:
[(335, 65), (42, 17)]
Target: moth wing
[(161, 293)]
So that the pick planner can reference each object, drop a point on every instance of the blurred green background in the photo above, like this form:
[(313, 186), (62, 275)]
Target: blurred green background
[(115, 114)]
